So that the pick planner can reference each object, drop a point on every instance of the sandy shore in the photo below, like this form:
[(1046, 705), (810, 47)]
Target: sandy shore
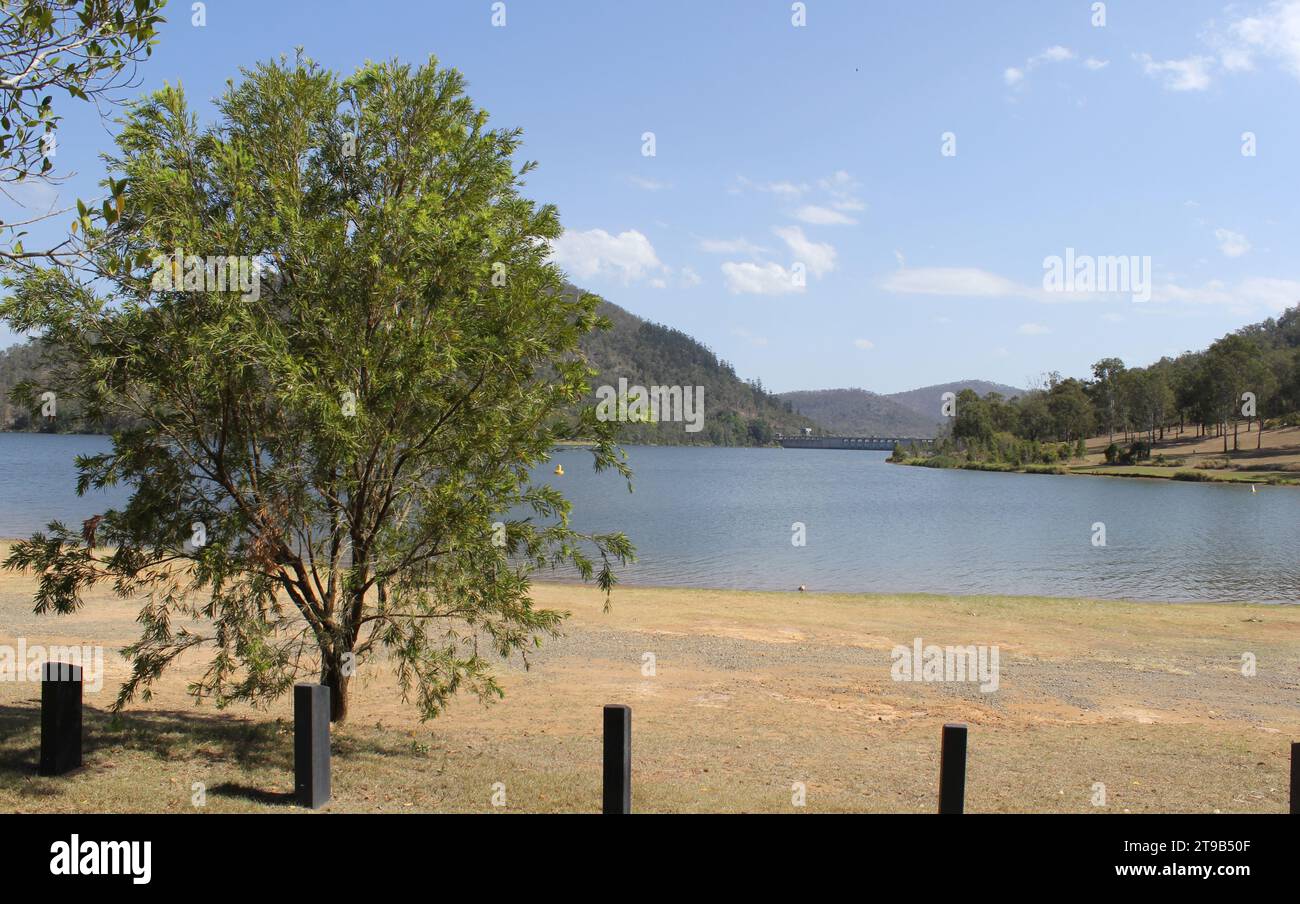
[(752, 693)]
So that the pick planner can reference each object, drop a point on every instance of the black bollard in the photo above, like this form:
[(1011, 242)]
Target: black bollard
[(1295, 778), (60, 718), (952, 769), (311, 744), (618, 760)]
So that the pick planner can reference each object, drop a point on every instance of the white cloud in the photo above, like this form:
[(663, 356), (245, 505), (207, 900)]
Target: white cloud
[(629, 256), (1190, 74), (1253, 293), (865, 344), (751, 338), (1273, 33), (782, 189), (823, 216), (690, 278), (967, 282), (748, 278), (731, 246), (1054, 54), (1014, 76), (1232, 244), (1032, 329), (818, 257), (1270, 33), (843, 191), (785, 189), (648, 184)]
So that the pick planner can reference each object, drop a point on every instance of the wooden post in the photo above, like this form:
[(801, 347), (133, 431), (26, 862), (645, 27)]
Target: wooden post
[(618, 760), (1295, 778), (60, 718), (952, 769), (311, 744)]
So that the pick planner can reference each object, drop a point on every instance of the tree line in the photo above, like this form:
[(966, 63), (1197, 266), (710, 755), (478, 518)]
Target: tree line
[(1250, 377)]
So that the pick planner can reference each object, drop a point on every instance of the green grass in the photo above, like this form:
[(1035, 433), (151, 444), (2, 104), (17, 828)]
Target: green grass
[(1199, 475)]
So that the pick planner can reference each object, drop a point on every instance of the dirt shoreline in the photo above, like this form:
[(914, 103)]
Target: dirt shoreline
[(752, 694)]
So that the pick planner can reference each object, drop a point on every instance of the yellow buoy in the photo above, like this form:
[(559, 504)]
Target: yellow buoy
[(559, 470)]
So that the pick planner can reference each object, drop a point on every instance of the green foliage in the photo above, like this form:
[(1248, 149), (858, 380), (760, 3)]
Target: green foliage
[(84, 49), (347, 436)]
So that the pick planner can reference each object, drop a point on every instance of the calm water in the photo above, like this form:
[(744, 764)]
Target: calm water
[(722, 518)]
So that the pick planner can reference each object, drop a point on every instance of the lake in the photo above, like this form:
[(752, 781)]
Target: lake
[(704, 517)]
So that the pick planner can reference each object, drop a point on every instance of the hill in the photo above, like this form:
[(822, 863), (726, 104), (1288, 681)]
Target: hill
[(738, 412), (926, 400), (857, 412)]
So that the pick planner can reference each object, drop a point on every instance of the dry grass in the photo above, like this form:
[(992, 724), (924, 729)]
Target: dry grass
[(1278, 454), (753, 692)]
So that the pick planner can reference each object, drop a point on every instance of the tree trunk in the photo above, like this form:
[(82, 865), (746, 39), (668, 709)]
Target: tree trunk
[(332, 676)]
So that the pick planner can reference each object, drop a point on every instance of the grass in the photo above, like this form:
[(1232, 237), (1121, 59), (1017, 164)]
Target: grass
[(1186, 457), (752, 692)]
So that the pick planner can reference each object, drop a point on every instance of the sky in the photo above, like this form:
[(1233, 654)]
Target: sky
[(839, 193)]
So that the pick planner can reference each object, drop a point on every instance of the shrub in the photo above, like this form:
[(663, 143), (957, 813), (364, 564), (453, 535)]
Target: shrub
[(1045, 469)]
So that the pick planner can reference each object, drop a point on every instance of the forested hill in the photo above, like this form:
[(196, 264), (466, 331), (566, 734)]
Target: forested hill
[(737, 412)]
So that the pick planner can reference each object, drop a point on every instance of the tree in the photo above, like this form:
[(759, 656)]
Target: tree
[(1232, 368), (760, 432), (335, 458), (1106, 376), (973, 423), (86, 50), (1035, 421), (1071, 411)]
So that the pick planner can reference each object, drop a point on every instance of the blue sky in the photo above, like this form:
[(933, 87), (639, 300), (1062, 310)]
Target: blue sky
[(779, 148)]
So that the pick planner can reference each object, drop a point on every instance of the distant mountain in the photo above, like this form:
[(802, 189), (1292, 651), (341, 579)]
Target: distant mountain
[(737, 412), (928, 399), (857, 412)]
